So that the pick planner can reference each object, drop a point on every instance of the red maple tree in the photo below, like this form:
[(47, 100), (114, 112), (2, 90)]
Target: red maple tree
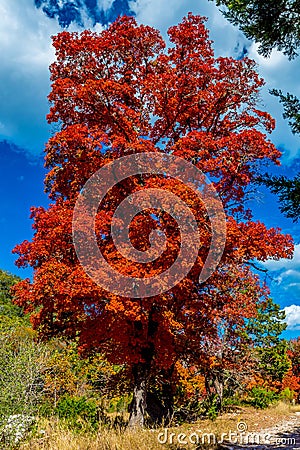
[(122, 92)]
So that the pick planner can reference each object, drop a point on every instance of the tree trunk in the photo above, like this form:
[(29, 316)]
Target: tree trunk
[(219, 388), (214, 385), (160, 407), (168, 396), (138, 405), (141, 373)]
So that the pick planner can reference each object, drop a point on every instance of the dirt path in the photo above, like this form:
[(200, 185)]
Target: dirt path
[(284, 435)]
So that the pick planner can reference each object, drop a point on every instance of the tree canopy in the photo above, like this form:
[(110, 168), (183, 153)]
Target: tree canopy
[(119, 93)]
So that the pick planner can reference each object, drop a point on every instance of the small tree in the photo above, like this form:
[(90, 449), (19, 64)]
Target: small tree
[(10, 314), (22, 363)]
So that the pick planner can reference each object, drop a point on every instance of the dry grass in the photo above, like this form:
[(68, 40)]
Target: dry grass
[(59, 438)]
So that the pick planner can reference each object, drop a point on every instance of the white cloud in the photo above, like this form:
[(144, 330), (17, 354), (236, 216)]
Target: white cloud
[(162, 15), (285, 278), (292, 317), (288, 264), (279, 73), (268, 64), (105, 4), (26, 53)]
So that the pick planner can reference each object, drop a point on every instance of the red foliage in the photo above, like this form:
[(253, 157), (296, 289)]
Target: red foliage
[(120, 92), (292, 378)]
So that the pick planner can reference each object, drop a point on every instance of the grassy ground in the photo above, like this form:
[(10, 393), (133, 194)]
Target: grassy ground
[(56, 437)]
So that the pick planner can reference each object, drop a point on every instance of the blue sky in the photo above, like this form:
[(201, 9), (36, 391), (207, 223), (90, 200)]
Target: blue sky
[(26, 27)]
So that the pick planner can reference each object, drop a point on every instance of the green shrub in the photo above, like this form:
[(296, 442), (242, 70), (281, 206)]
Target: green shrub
[(79, 413), (119, 404), (261, 398), (46, 408), (212, 412), (189, 412), (287, 395), (234, 400)]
